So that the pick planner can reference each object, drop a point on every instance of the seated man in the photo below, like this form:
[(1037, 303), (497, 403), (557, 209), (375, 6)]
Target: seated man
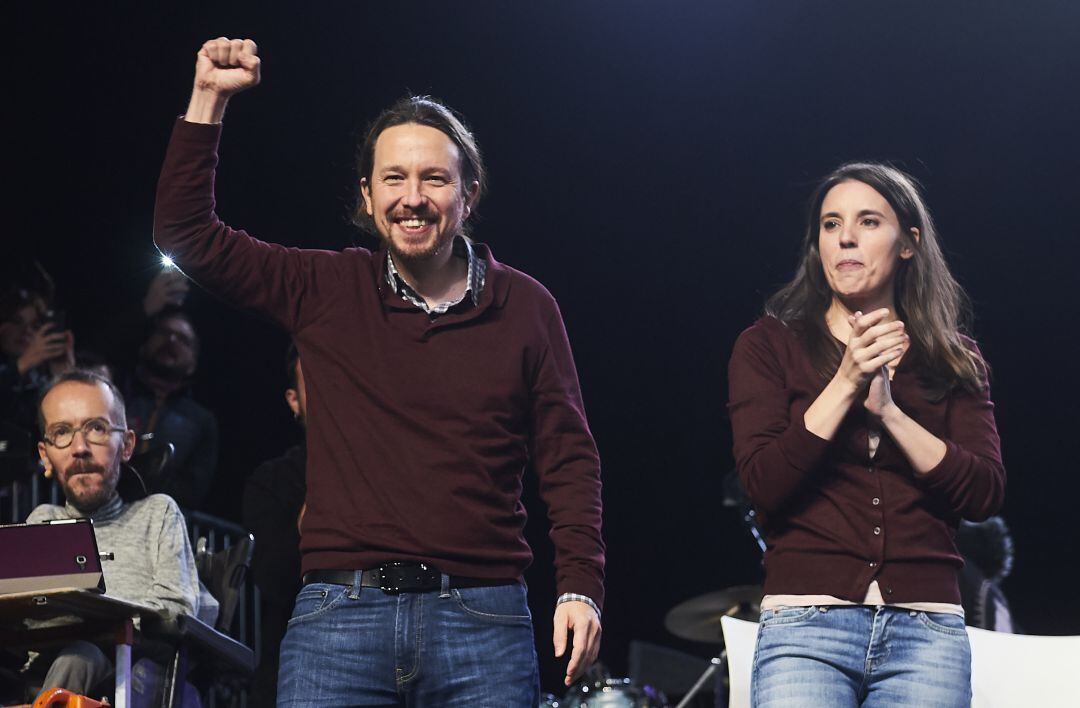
[(86, 439)]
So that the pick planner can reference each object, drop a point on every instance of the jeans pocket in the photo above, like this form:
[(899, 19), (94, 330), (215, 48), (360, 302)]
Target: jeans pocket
[(502, 604), (316, 598), (944, 623), (787, 615)]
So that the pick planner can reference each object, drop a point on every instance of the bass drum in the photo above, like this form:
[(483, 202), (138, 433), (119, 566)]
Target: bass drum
[(613, 693)]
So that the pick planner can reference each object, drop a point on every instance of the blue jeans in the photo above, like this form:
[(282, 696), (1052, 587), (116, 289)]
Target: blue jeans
[(860, 656), (353, 646)]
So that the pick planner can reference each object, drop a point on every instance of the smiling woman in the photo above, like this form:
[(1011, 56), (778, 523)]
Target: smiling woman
[(859, 492)]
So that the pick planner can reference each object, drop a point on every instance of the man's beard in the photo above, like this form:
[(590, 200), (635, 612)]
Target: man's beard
[(164, 371), (89, 501), (444, 241), (417, 256)]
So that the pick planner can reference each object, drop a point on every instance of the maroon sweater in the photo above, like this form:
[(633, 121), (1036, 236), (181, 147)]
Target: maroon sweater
[(419, 428), (819, 502)]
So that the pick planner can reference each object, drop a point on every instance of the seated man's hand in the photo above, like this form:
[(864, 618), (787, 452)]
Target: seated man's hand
[(582, 620)]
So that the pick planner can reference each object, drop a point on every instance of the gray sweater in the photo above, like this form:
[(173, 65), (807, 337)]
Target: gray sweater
[(153, 565)]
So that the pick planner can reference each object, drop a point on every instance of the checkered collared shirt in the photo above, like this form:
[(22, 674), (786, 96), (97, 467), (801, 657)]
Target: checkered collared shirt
[(474, 280)]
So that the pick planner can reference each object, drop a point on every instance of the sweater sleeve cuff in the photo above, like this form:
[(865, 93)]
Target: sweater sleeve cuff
[(579, 586), (204, 133)]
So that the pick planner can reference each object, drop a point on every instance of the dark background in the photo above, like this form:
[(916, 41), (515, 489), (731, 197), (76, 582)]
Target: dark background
[(649, 163)]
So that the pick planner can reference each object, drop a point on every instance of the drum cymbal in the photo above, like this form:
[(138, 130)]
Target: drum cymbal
[(698, 619)]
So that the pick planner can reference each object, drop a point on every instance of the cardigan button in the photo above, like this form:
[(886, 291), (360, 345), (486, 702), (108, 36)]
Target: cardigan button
[(877, 530), (876, 501)]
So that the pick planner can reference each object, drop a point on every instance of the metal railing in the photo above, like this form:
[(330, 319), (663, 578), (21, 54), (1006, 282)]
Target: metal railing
[(220, 535)]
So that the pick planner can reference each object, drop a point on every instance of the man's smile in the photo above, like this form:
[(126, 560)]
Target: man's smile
[(414, 224)]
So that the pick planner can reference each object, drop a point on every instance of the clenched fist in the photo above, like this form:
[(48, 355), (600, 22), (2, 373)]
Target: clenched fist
[(227, 66), (223, 67)]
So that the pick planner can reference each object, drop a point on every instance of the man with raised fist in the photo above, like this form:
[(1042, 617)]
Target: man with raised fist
[(435, 375)]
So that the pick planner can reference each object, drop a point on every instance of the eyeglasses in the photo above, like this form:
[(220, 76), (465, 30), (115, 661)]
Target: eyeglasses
[(96, 431)]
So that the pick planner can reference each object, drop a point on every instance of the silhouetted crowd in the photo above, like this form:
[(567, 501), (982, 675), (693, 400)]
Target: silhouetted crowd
[(151, 356)]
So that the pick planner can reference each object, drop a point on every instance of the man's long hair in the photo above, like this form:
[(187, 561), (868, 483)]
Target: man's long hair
[(935, 309), (421, 110)]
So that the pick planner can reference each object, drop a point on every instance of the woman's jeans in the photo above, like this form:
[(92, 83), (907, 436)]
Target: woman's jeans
[(353, 646), (860, 656)]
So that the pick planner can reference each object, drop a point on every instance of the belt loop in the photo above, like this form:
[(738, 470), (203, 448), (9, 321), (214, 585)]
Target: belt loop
[(444, 590), (354, 591)]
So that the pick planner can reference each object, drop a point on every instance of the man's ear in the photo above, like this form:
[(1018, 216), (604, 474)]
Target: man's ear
[(129, 445), (45, 459), (365, 194), (471, 192), (293, 400)]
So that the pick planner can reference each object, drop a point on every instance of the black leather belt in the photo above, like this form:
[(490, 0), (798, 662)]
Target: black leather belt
[(398, 577)]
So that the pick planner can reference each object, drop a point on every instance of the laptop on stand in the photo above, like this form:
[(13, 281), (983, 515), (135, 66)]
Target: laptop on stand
[(56, 554)]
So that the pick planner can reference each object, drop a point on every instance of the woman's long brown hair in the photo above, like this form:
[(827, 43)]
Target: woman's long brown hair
[(935, 309)]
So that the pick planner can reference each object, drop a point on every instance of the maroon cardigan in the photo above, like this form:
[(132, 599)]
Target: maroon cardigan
[(819, 502), (419, 428)]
